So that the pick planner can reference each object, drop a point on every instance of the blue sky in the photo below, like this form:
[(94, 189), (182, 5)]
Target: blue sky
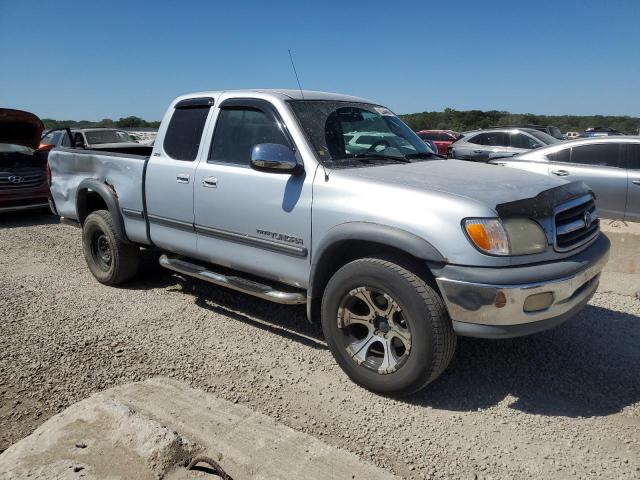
[(97, 59)]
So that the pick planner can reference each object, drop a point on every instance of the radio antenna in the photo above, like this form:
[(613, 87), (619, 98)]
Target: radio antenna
[(296, 74)]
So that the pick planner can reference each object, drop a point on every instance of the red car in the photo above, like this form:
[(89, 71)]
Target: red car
[(442, 139), (23, 179)]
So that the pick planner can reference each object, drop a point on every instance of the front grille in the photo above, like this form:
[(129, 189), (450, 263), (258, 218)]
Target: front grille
[(17, 181), (576, 223)]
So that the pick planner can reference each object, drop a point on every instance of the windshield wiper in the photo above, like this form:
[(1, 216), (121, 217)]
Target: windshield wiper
[(423, 155), (377, 155)]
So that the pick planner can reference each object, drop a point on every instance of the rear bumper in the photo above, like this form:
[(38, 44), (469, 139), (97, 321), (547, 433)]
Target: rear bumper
[(503, 310)]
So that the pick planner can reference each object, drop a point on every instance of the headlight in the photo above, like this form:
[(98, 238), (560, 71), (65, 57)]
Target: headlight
[(513, 236)]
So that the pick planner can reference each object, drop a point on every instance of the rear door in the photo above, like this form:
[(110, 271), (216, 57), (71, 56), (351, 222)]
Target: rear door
[(170, 177), (246, 219), (599, 165), (632, 162)]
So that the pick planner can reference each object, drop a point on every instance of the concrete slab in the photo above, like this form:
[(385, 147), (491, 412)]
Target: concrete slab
[(150, 429), (625, 246)]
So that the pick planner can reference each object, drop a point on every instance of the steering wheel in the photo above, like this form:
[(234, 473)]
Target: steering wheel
[(372, 148)]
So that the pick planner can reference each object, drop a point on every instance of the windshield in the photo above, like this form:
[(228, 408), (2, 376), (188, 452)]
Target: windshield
[(544, 137), (342, 133), (97, 137)]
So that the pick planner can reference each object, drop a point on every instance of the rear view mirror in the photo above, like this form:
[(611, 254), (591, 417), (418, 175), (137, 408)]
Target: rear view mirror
[(274, 157)]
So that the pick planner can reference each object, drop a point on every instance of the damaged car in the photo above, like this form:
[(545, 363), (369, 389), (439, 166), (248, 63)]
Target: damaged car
[(23, 168)]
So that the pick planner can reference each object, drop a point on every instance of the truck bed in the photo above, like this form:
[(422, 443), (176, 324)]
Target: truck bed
[(122, 172)]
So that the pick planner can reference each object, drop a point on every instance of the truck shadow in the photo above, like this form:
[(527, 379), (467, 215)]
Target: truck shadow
[(27, 218), (588, 367), (285, 320)]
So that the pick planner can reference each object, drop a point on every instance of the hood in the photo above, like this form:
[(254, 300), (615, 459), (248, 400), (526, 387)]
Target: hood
[(20, 128), (490, 185)]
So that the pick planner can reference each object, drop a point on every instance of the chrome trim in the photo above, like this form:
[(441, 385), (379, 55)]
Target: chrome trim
[(19, 208), (240, 284), (295, 250), (568, 206), (170, 222), (476, 302), (129, 212)]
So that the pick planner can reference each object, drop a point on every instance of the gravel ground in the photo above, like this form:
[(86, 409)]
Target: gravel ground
[(561, 404)]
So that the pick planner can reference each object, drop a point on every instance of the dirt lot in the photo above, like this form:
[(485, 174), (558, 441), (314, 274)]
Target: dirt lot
[(562, 404)]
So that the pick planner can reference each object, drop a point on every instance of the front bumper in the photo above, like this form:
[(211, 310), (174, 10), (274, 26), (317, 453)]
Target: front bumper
[(490, 310)]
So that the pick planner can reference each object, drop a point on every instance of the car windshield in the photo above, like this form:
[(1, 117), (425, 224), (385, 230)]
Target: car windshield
[(96, 137), (544, 137), (348, 134)]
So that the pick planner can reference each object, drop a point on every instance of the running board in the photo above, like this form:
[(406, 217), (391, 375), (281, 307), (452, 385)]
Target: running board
[(240, 284)]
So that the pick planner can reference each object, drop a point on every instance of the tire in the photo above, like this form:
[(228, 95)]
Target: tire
[(417, 309), (111, 260)]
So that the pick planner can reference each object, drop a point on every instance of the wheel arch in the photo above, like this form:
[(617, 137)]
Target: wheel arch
[(92, 195), (353, 240)]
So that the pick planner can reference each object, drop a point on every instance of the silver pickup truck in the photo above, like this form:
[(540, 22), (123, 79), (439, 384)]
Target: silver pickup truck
[(328, 200)]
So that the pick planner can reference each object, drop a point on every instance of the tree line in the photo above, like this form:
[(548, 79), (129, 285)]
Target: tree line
[(450, 119), (126, 122), (461, 121)]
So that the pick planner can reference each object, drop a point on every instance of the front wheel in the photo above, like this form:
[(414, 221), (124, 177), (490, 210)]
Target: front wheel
[(386, 327), (112, 260)]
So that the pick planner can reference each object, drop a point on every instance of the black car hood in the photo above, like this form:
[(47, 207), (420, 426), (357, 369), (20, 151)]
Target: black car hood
[(20, 128)]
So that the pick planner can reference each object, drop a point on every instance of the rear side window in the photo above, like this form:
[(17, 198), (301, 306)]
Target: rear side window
[(563, 156), (494, 139), (182, 140), (632, 156), (238, 130), (599, 154)]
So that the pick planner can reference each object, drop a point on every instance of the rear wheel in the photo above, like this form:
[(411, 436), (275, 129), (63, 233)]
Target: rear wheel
[(112, 261), (387, 328)]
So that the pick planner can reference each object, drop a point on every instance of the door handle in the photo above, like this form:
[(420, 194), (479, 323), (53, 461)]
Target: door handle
[(477, 151), (182, 178), (560, 173), (210, 182), (636, 182)]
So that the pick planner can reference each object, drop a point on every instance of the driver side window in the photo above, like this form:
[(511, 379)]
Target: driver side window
[(238, 130)]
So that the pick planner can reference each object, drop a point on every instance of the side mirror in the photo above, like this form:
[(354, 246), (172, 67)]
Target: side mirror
[(274, 157)]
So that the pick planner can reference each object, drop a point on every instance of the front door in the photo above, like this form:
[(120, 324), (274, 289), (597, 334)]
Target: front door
[(247, 219), (599, 166), (170, 178)]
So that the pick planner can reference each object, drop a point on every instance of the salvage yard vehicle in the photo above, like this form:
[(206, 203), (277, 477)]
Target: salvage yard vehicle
[(23, 184), (484, 145), (395, 250), (442, 139), (608, 165), (109, 139)]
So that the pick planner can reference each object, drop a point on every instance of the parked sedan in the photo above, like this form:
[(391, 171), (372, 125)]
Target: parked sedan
[(609, 165), (484, 145), (442, 139)]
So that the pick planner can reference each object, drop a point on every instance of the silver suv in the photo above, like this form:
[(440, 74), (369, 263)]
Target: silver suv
[(609, 165), (484, 145)]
